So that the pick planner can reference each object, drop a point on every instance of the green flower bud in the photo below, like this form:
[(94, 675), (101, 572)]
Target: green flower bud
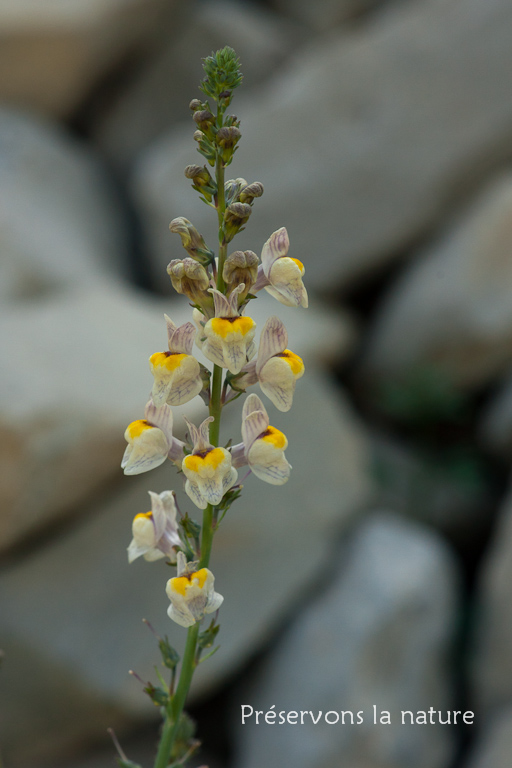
[(204, 119), (253, 190), (240, 267), (232, 190), (191, 240), (191, 279), (235, 216)]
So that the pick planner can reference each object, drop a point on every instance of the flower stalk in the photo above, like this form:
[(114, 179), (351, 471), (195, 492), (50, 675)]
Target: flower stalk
[(219, 290)]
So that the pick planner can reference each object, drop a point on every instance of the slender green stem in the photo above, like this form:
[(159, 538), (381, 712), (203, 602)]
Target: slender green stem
[(188, 665), (178, 701)]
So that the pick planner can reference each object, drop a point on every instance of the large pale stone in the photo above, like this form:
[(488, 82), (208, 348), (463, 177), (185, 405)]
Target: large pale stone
[(60, 224), (76, 373), (492, 647), (377, 631), (361, 143), (494, 746), (159, 94), (70, 615), (452, 307), (52, 53)]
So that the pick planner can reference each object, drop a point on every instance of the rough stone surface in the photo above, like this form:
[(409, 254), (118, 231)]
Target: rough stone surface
[(159, 94), (52, 53), (70, 615), (452, 308), (492, 652), (376, 632), (494, 746), (356, 163), (60, 225), (78, 374)]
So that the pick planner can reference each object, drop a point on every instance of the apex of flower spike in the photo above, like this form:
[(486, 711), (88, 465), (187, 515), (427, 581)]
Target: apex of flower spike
[(222, 74)]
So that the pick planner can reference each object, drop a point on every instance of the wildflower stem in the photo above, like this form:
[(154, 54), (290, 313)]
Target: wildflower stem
[(189, 663), (177, 703)]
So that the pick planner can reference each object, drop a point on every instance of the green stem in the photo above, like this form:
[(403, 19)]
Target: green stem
[(178, 700), (177, 703)]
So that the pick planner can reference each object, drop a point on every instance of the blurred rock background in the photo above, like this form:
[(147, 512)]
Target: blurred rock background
[(382, 572)]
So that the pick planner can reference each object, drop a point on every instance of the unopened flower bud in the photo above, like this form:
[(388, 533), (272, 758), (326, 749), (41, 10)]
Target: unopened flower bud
[(241, 267), (235, 216), (232, 189), (198, 135), (253, 190), (200, 175), (202, 181), (228, 136), (191, 240), (204, 119), (195, 105), (191, 279)]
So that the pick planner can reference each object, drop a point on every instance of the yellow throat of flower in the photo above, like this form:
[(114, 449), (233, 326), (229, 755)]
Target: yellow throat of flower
[(224, 326), (168, 360), (136, 428), (181, 584), (275, 438), (293, 360), (197, 461), (299, 264)]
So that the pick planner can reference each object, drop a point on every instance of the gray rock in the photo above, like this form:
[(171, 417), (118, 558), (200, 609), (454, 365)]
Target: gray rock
[(159, 94), (355, 161), (454, 301), (54, 53), (492, 652), (78, 375), (376, 632), (70, 615), (322, 16), (60, 225), (494, 746)]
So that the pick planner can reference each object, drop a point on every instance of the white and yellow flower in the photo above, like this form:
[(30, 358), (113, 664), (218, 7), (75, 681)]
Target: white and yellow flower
[(177, 373), (208, 470), (277, 368), (264, 445), (227, 338), (155, 533), (191, 593), (280, 274), (150, 441)]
